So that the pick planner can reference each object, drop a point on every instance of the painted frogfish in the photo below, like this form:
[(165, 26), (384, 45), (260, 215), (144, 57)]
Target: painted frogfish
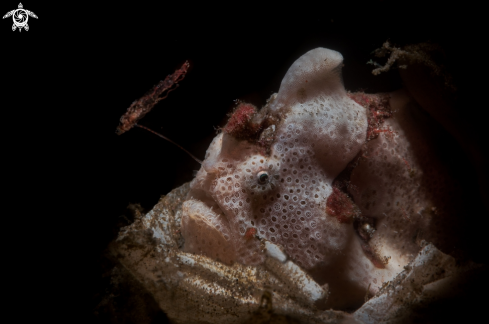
[(349, 185)]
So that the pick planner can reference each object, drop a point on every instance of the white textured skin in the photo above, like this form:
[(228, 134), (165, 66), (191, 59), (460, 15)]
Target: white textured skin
[(322, 129), (406, 187), (191, 288)]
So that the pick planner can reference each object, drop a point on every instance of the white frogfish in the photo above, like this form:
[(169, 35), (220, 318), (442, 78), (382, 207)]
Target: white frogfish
[(348, 184)]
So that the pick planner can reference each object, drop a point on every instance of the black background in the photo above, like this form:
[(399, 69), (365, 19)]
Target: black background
[(65, 83)]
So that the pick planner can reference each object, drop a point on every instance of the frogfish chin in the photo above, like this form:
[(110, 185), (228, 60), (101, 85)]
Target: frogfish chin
[(350, 186)]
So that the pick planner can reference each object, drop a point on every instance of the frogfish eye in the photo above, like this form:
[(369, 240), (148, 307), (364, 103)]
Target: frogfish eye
[(262, 177)]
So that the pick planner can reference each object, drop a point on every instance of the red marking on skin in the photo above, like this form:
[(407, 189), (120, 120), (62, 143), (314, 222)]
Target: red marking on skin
[(250, 233), (340, 206), (375, 132), (378, 109), (239, 124)]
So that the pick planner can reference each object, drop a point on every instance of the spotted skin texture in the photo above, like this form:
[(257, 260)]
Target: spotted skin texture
[(314, 132)]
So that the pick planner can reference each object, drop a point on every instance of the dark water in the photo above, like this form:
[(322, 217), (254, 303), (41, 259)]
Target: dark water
[(73, 74)]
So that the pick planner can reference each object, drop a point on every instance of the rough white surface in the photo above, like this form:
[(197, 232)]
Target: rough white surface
[(320, 131), (427, 275), (398, 183), (192, 288)]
